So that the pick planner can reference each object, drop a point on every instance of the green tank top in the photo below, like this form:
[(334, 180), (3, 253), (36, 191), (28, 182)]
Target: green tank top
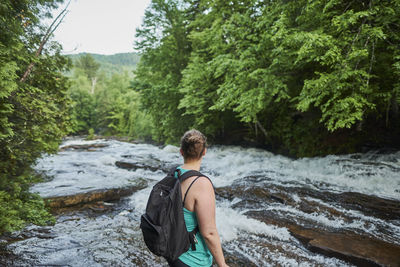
[(202, 255)]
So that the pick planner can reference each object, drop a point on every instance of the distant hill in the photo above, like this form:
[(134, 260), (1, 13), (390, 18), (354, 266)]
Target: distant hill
[(116, 63)]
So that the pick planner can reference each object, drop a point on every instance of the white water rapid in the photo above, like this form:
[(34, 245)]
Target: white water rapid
[(254, 231)]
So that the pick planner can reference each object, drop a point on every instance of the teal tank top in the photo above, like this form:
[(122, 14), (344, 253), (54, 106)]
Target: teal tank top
[(202, 255)]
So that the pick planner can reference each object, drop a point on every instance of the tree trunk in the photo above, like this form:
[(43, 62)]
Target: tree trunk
[(54, 25), (94, 81), (395, 107)]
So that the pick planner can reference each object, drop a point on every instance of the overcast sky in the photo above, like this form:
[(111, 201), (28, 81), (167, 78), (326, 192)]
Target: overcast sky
[(100, 26)]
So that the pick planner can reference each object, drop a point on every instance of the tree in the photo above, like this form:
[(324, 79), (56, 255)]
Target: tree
[(83, 103), (282, 68), (164, 47), (89, 65), (119, 111), (226, 70), (33, 110)]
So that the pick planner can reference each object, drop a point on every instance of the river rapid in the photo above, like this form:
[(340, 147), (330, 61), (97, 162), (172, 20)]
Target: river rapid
[(271, 210)]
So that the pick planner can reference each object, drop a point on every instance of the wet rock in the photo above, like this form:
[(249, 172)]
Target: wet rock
[(351, 247), (8, 258), (386, 209), (59, 251), (92, 209), (89, 147), (254, 196), (236, 261), (248, 189), (134, 166), (371, 205), (125, 139), (138, 165), (359, 250), (357, 247), (94, 196), (41, 232)]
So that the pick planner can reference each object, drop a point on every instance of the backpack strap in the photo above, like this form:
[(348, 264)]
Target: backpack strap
[(191, 173), (173, 170), (188, 174), (184, 198)]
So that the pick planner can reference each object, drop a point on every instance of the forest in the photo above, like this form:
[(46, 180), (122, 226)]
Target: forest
[(110, 64), (300, 78), (297, 77), (103, 101)]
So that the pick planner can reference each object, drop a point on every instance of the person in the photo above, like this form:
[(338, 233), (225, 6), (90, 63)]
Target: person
[(199, 207)]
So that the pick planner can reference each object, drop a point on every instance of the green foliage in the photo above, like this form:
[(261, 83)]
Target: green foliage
[(118, 108), (120, 59), (113, 64), (109, 106), (288, 67), (112, 109), (33, 113), (165, 47), (88, 64), (90, 135), (83, 109), (345, 51), (83, 102)]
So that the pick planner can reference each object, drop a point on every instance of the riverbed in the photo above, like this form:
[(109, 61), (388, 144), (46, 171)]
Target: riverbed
[(271, 210)]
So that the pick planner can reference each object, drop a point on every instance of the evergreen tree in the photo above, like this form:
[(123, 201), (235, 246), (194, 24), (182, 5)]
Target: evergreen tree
[(33, 107), (90, 66)]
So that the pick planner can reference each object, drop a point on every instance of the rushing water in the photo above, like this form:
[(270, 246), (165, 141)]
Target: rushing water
[(254, 187)]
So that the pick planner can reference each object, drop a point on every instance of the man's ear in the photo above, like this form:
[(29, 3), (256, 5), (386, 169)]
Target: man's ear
[(204, 152), (181, 151)]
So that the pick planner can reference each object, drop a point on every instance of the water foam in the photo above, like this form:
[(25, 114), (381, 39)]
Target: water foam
[(358, 173), (231, 223)]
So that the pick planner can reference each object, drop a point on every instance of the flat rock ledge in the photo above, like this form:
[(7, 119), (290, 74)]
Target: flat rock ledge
[(88, 147), (359, 250), (93, 196)]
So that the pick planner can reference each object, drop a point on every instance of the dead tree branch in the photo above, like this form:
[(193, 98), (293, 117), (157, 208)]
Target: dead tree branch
[(53, 26)]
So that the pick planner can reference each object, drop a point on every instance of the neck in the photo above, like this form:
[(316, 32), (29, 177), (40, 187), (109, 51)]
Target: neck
[(192, 165)]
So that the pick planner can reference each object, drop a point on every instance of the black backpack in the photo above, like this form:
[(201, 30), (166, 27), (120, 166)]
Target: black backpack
[(163, 225)]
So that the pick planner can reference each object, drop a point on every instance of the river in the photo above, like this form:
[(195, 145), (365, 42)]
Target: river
[(271, 210)]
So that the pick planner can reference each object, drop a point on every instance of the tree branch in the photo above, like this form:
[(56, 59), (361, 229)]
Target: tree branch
[(53, 26), (262, 128)]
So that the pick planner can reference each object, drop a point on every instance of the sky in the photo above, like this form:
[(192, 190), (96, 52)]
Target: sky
[(100, 26)]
